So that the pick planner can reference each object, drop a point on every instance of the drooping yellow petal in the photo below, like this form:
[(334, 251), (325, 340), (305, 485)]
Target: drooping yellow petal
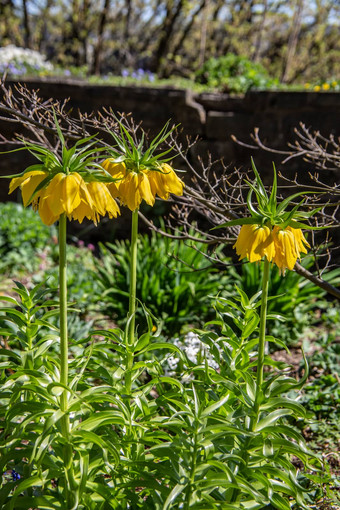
[(85, 195), (300, 239), (117, 170), (263, 245), (45, 212), (28, 182), (16, 182), (286, 249), (83, 210), (172, 183), (157, 186), (54, 194), (30, 185), (96, 192), (70, 192), (129, 192), (145, 189), (102, 199), (243, 241), (255, 242), (113, 189), (267, 247)]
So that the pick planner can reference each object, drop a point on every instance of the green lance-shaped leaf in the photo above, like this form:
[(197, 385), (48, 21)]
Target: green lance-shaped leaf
[(101, 418), (176, 491), (213, 407), (272, 418), (33, 481)]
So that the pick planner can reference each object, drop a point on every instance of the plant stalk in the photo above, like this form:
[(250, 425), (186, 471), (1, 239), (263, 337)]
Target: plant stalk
[(132, 299), (63, 310), (262, 335), (65, 421)]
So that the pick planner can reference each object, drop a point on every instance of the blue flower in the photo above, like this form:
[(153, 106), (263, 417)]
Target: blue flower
[(15, 475)]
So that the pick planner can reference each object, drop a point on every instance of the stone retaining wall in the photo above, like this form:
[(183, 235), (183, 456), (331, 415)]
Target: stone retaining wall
[(211, 117)]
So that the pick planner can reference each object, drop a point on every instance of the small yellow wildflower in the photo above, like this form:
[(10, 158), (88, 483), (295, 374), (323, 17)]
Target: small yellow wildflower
[(326, 86), (334, 83), (307, 85), (143, 184), (317, 88)]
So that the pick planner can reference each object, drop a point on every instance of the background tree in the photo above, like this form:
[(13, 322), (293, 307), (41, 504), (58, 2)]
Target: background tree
[(295, 40)]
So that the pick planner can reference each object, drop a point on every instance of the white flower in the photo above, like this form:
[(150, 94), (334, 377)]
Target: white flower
[(194, 349), (22, 60)]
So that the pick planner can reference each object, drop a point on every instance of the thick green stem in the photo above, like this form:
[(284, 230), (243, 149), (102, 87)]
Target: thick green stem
[(63, 311), (262, 334), (133, 276), (65, 422), (132, 298), (192, 469)]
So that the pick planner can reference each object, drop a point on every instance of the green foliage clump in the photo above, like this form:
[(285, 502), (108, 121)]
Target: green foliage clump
[(82, 289), (234, 73), (22, 237), (219, 442), (322, 394), (294, 299), (175, 281)]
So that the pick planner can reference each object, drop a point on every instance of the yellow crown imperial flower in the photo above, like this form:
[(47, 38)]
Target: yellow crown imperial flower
[(71, 195), (139, 174), (133, 187), (281, 246), (72, 184), (271, 232)]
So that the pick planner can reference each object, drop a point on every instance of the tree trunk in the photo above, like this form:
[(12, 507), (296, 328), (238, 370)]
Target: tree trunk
[(293, 40), (43, 34), (258, 41), (188, 27), (27, 30), (204, 30), (99, 46), (128, 19), (166, 33), (144, 29), (84, 30)]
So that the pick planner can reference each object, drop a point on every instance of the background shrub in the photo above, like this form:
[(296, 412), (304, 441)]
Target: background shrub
[(234, 73), (23, 236), (175, 281), (292, 296)]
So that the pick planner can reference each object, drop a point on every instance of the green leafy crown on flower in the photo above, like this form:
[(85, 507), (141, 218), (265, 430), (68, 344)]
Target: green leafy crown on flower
[(135, 155), (80, 158), (268, 212)]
